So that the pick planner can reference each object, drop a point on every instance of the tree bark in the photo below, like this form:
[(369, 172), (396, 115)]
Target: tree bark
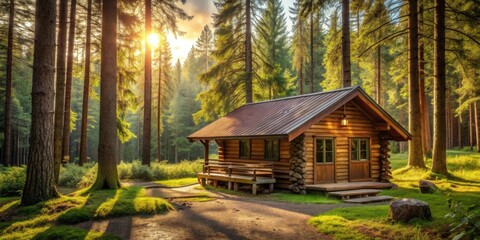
[(68, 84), (426, 135), (311, 52), (477, 126), (415, 149), (439, 158), (159, 107), (346, 65), (7, 131), (40, 182), (471, 126), (86, 88), (107, 175), (147, 102), (378, 74), (60, 85), (248, 52), (300, 77)]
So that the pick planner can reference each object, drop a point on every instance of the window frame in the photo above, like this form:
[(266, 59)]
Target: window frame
[(249, 142), (276, 156), (358, 151), (324, 139)]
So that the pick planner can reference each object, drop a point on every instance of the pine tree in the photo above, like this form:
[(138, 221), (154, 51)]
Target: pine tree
[(272, 50), (8, 88), (439, 158), (332, 59), (40, 181), (299, 45), (107, 175), (204, 45), (346, 65)]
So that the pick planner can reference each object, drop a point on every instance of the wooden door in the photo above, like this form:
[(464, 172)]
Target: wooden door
[(359, 166), (324, 160)]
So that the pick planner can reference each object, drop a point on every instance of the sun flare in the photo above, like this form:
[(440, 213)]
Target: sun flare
[(153, 39)]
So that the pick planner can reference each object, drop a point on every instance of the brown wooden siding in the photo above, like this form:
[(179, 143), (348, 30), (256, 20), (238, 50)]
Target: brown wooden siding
[(228, 150), (359, 125)]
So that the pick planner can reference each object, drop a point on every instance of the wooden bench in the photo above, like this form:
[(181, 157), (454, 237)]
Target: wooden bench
[(235, 173)]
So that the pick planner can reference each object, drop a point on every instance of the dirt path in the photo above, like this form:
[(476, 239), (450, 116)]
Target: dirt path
[(226, 217)]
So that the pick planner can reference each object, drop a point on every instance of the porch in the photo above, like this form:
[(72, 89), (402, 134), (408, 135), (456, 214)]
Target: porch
[(346, 186)]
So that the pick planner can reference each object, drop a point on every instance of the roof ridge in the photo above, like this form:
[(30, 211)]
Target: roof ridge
[(304, 95)]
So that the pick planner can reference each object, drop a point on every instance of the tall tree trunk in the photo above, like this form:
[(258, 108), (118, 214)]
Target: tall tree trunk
[(415, 149), (477, 125), (7, 140), (60, 85), (346, 65), (68, 84), (159, 107), (300, 77), (311, 52), (86, 88), (378, 74), (439, 158), (147, 102), (248, 52), (40, 182), (471, 126), (426, 135), (107, 175)]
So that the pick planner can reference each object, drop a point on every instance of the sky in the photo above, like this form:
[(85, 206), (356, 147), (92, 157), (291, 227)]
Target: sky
[(202, 11)]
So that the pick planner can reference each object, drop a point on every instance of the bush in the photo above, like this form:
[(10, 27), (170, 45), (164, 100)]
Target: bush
[(71, 174), (466, 220), (142, 172), (163, 170), (12, 180)]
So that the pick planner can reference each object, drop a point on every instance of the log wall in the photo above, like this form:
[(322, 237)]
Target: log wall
[(359, 126), (228, 150)]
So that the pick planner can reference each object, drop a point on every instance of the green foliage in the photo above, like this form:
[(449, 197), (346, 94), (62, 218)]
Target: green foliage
[(12, 180), (466, 220), (71, 174)]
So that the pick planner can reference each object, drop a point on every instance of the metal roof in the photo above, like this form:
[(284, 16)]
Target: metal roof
[(283, 116)]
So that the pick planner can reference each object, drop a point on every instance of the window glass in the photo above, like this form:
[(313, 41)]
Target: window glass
[(272, 150), (325, 152), (360, 149), (244, 149)]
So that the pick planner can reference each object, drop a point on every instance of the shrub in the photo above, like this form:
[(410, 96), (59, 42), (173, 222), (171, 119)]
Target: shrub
[(466, 220), (124, 170), (71, 174), (89, 178), (12, 180), (140, 171), (163, 170)]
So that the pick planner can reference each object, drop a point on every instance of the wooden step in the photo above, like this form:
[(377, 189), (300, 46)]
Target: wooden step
[(334, 187), (365, 200), (354, 193)]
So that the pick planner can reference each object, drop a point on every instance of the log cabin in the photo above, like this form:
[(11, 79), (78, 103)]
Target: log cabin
[(337, 136)]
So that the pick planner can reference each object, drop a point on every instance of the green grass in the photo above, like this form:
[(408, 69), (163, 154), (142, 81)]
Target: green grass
[(80, 206), (371, 222), (59, 232), (178, 182), (317, 198)]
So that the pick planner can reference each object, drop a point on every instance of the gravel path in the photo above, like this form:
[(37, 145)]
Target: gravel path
[(226, 217)]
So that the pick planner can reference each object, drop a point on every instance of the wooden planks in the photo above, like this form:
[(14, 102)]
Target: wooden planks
[(331, 187)]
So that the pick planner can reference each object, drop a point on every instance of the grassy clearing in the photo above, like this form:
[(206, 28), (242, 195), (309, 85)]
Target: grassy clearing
[(80, 206), (370, 222), (178, 182), (59, 232)]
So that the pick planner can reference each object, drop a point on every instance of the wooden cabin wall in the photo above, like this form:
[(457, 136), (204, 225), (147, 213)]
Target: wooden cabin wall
[(359, 125), (228, 150)]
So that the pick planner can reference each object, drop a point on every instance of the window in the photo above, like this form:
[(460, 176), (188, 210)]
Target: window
[(325, 150), (272, 150), (360, 149), (244, 149)]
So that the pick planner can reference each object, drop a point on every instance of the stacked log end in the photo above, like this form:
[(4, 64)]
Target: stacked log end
[(298, 165), (385, 168)]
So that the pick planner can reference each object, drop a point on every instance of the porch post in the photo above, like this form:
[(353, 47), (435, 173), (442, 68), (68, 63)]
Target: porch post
[(206, 144), (385, 168), (298, 165)]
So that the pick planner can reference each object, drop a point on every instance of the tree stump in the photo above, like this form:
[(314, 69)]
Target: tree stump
[(406, 209), (427, 186)]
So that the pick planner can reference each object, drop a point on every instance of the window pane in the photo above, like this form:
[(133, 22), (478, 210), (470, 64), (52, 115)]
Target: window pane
[(363, 155), (354, 149), (329, 145), (320, 157), (363, 145), (329, 157)]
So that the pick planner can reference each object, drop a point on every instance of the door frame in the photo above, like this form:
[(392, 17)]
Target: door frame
[(369, 178), (314, 159)]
